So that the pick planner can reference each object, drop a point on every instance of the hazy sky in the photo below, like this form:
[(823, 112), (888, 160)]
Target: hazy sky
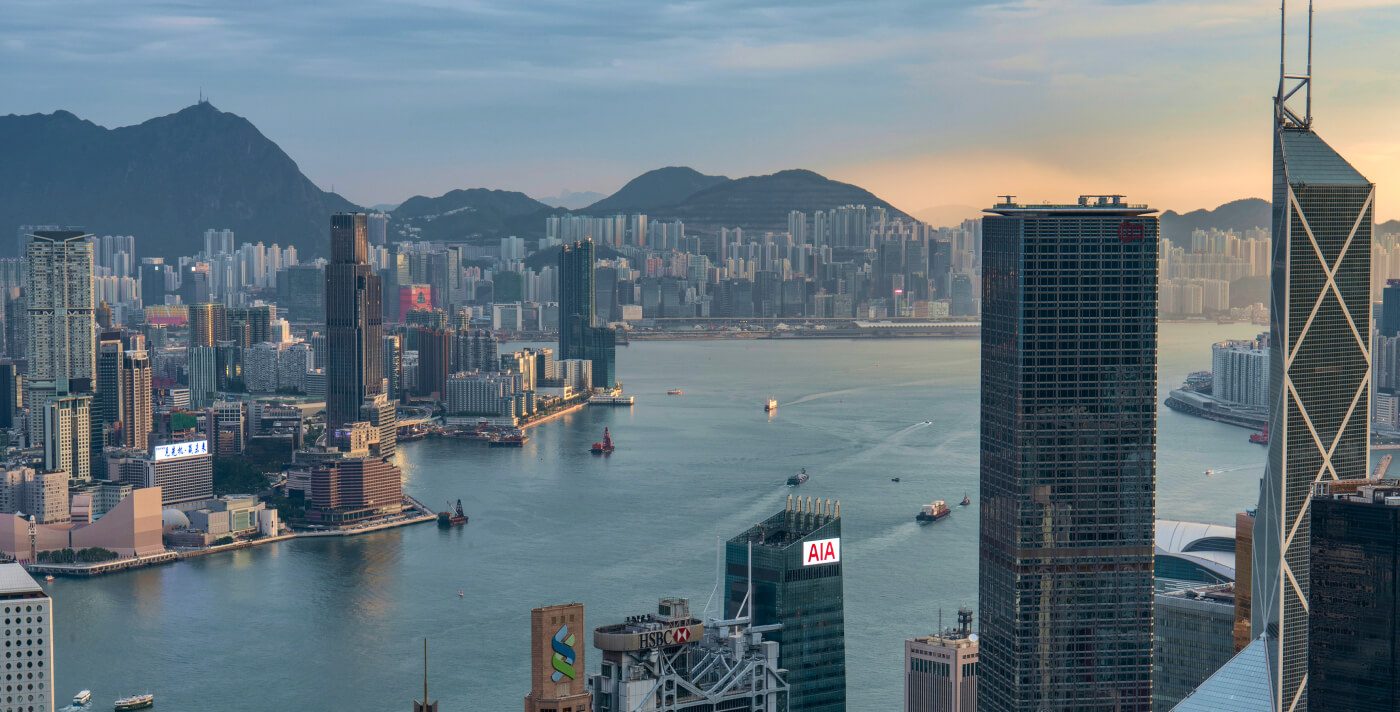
[(925, 102)]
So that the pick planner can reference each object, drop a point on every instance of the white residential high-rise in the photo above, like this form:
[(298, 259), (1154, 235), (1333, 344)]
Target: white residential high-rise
[(28, 616), (62, 330), (218, 242)]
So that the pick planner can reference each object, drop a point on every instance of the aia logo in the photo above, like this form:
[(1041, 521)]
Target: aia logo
[(821, 551), (1130, 232)]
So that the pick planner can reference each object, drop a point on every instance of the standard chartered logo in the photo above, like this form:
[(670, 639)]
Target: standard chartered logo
[(564, 655)]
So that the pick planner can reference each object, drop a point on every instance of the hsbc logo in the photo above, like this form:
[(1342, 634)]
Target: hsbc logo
[(1130, 232), (821, 551)]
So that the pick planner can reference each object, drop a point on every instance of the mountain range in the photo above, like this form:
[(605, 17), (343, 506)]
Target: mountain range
[(165, 180), (168, 179)]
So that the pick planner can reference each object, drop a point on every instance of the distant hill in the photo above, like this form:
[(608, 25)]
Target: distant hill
[(573, 200), (1238, 215), (165, 181), (655, 189), (460, 215), (763, 202), (1391, 227)]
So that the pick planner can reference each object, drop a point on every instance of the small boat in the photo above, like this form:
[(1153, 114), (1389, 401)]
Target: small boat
[(771, 406), (82, 698), (49, 578), (1210, 472), (933, 511), (798, 478), (452, 517), (461, 593), (894, 479), (135, 702), (1261, 437), (675, 392), (966, 500), (604, 446)]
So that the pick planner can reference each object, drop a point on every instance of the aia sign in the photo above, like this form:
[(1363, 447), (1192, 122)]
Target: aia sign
[(1130, 232), (821, 551)]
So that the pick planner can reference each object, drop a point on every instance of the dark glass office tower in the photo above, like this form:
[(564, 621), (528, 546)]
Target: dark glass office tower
[(796, 566), (1320, 375), (1354, 622), (354, 322), (1069, 383), (578, 337), (1390, 308)]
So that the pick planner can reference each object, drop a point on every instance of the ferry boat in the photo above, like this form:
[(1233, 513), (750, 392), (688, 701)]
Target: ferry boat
[(675, 392), (82, 698), (771, 406), (135, 702), (604, 446), (933, 511), (966, 500), (798, 478), (452, 518), (611, 399)]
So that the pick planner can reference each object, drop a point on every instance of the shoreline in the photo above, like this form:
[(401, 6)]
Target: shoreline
[(555, 415), (417, 513)]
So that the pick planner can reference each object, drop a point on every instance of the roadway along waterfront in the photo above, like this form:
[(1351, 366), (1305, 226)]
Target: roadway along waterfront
[(336, 623)]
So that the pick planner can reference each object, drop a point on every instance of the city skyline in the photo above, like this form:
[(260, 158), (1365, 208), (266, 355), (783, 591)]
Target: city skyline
[(490, 89)]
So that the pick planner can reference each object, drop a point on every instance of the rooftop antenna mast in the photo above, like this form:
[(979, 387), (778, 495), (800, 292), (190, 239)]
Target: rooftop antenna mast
[(1290, 84)]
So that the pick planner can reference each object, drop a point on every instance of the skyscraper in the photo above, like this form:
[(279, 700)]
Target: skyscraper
[(1354, 617), (208, 324), (1320, 374), (557, 642), (354, 322), (136, 413), (67, 438), (31, 635), (1069, 383), (795, 560), (62, 331), (578, 337)]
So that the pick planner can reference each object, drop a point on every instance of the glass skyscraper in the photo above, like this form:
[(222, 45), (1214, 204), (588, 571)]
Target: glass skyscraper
[(796, 567), (354, 323), (1320, 375), (579, 337), (1069, 384)]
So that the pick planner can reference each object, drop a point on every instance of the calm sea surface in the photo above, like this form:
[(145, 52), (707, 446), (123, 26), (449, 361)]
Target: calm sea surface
[(337, 625)]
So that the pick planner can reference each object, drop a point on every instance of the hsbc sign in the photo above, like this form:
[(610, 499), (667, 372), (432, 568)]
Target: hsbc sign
[(622, 640), (821, 551)]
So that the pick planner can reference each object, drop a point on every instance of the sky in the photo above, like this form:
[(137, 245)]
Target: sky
[(930, 104)]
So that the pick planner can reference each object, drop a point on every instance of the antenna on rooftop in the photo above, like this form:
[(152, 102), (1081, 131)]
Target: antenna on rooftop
[(1290, 84)]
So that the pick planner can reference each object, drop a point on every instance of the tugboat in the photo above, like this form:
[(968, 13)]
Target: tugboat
[(453, 518), (675, 392), (965, 501), (933, 512), (771, 406), (798, 478), (1261, 437), (82, 698), (604, 447), (134, 702)]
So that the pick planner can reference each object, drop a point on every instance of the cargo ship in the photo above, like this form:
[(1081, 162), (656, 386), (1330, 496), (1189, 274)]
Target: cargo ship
[(798, 478), (515, 438), (604, 446), (453, 518), (134, 702), (933, 511)]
